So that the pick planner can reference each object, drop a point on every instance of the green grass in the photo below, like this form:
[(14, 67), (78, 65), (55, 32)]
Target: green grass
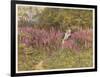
[(31, 58)]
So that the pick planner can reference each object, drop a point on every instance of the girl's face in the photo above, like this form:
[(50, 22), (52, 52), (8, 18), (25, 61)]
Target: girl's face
[(69, 31)]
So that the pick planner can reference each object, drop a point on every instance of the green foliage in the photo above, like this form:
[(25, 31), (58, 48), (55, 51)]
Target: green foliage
[(61, 58), (59, 18), (67, 18)]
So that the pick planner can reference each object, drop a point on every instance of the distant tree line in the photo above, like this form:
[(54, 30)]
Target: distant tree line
[(59, 18)]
